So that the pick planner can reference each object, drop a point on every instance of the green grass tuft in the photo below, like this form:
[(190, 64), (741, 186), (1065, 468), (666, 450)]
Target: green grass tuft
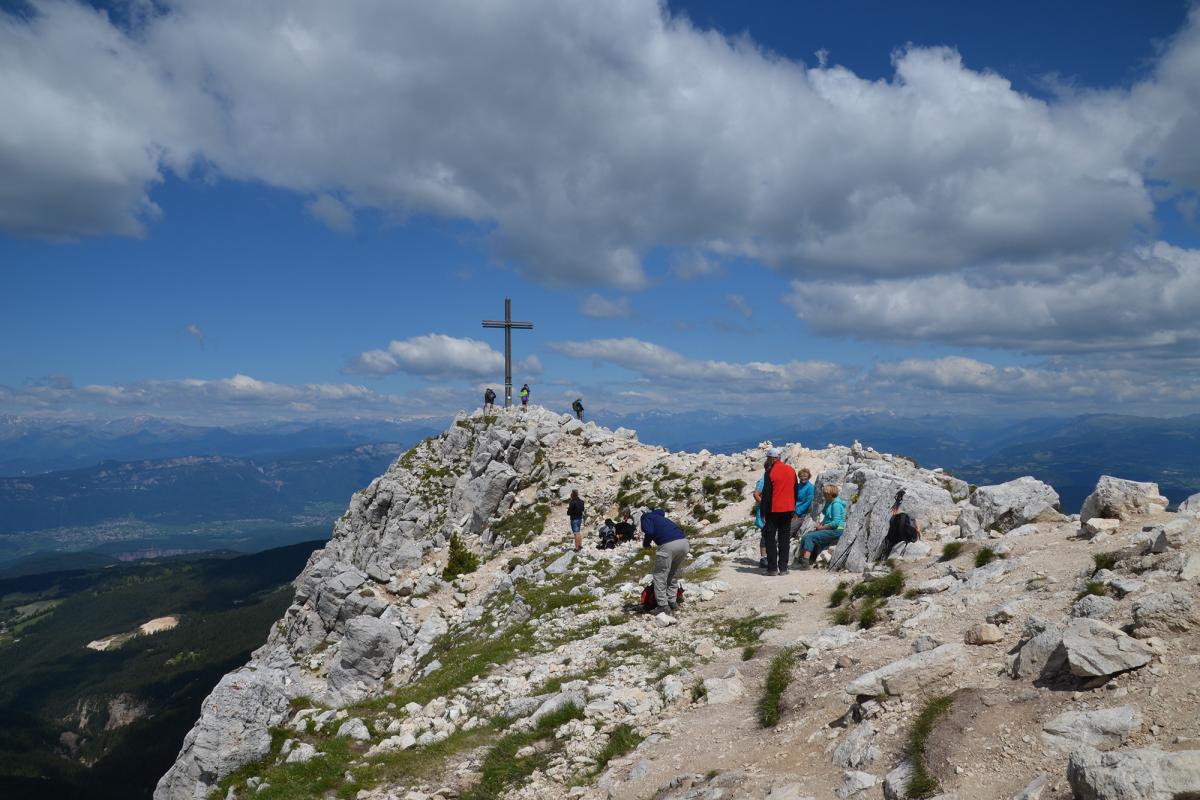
[(699, 691), (922, 784), (521, 526), (748, 629), (887, 585), (842, 616), (778, 678), (1097, 588), (951, 550), (748, 652), (502, 769), (839, 595), (985, 556), (623, 739), (868, 614), (1105, 560)]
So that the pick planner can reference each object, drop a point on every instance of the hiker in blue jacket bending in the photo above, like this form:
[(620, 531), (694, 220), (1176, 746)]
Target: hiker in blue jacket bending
[(672, 550)]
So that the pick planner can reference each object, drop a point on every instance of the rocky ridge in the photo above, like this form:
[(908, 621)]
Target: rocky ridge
[(1069, 655)]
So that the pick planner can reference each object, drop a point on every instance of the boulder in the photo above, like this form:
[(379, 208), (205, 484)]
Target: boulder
[(854, 782), (1033, 790), (895, 783), (1093, 607), (479, 497), (868, 517), (936, 585), (1190, 505), (1003, 507), (857, 750), (301, 753), (719, 691), (910, 673), (983, 633), (1133, 774), (1095, 649), (233, 729), (1163, 612), (356, 729), (1098, 526), (1042, 655), (1117, 498), (368, 650), (1103, 729)]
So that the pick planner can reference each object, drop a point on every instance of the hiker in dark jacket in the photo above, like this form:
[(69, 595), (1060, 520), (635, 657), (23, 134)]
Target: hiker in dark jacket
[(626, 530), (672, 550), (489, 399), (575, 514), (577, 407)]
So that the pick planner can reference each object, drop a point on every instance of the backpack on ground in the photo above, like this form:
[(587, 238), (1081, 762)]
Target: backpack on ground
[(650, 602), (608, 538)]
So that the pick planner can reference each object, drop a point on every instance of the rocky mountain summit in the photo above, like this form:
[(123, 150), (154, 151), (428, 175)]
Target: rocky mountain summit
[(449, 643)]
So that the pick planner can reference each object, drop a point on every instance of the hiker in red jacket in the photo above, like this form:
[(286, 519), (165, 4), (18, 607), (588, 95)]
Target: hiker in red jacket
[(778, 507)]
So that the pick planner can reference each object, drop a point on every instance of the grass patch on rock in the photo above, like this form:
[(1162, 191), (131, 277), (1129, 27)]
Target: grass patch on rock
[(1105, 561), (951, 550), (503, 768), (985, 556), (1096, 588), (521, 526), (779, 676), (747, 630), (922, 784), (839, 595)]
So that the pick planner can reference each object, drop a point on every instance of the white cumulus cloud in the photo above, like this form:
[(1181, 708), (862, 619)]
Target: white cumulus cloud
[(441, 356), (599, 307)]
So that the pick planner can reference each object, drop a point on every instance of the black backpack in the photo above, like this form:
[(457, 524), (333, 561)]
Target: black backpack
[(902, 529), (650, 602), (608, 538)]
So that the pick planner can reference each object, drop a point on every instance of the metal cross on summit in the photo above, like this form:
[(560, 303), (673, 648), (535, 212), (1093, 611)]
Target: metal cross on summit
[(508, 323)]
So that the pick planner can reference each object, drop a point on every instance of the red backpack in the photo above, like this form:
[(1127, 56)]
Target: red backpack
[(650, 602)]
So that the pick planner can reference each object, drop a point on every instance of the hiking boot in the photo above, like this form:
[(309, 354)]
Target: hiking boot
[(771, 573), (803, 564), (762, 562), (658, 612), (783, 572)]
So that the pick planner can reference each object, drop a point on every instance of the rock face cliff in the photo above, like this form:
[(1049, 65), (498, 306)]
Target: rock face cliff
[(396, 673)]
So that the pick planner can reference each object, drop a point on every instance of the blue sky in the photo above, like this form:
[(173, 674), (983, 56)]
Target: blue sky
[(754, 207)]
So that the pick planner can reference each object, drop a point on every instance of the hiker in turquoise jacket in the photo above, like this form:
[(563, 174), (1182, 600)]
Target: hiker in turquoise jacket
[(833, 522)]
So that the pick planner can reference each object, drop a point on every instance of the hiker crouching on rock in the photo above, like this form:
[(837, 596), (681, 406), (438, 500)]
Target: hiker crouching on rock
[(626, 530), (778, 505), (833, 522), (672, 550), (575, 514)]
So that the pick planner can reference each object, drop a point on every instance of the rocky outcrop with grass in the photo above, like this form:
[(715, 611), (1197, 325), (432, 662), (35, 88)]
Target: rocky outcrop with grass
[(449, 643)]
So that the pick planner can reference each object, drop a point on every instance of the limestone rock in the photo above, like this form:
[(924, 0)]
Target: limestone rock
[(936, 585), (1117, 498), (868, 517), (1005, 506), (1093, 607), (719, 691), (853, 782), (1133, 774), (1098, 526), (1103, 729), (1042, 655), (983, 633), (1033, 790), (857, 750), (301, 754), (895, 783), (1191, 505), (1096, 649), (910, 673), (1163, 612), (233, 729), (368, 650), (356, 729)]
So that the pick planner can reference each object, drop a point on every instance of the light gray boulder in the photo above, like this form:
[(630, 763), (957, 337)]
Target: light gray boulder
[(480, 497), (368, 650), (855, 782), (1004, 507), (1093, 607), (233, 729), (1096, 649), (1191, 505), (1103, 729), (356, 729), (910, 673), (857, 750), (1042, 655), (1117, 498), (1163, 612), (1133, 774), (868, 517), (895, 783), (1033, 790)]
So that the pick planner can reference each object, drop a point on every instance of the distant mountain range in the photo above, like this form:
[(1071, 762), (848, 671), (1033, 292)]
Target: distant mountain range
[(34, 445), (153, 486), (1070, 453)]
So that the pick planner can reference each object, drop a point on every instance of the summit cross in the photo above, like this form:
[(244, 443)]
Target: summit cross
[(508, 323)]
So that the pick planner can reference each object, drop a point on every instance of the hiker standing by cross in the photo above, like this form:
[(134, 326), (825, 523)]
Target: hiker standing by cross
[(508, 324)]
